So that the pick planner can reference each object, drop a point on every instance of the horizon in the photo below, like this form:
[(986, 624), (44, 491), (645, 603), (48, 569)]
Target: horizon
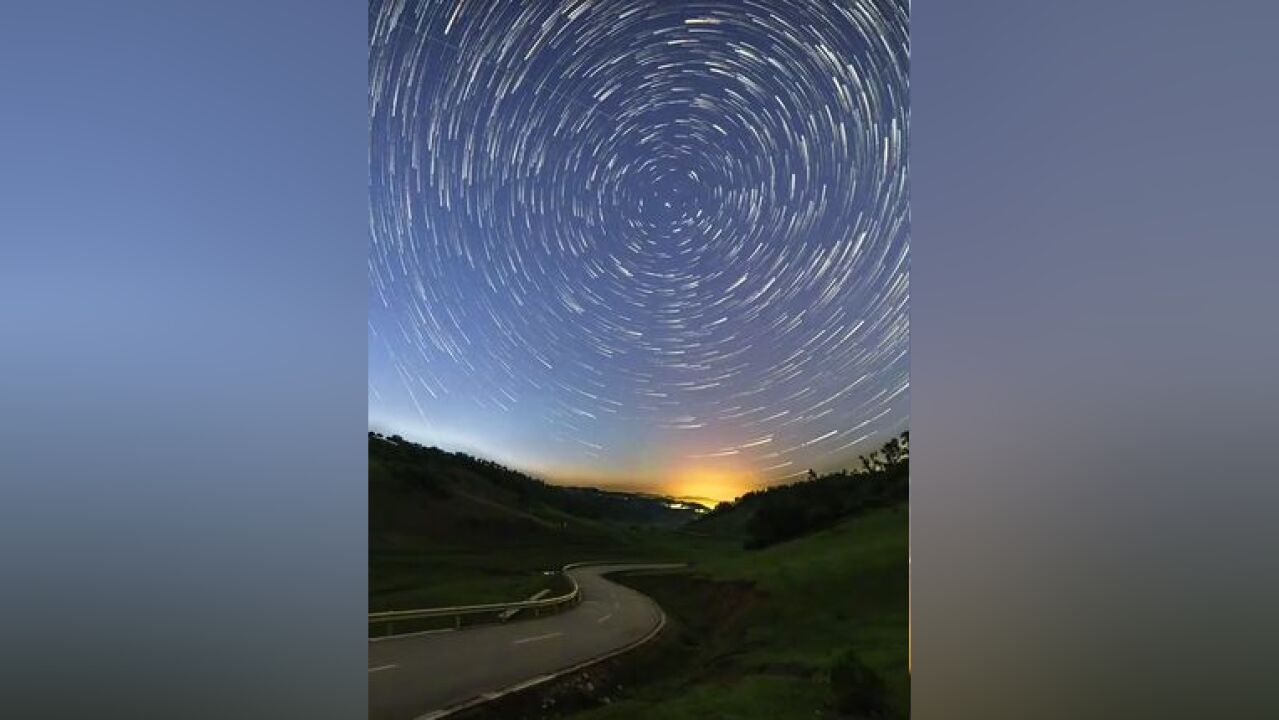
[(629, 487)]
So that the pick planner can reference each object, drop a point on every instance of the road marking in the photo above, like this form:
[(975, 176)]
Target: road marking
[(536, 638), (382, 667), (605, 618)]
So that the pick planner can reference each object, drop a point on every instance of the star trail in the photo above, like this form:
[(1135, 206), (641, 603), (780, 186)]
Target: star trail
[(651, 243)]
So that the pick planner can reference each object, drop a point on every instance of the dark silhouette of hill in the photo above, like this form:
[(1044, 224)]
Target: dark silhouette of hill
[(419, 493), (776, 514)]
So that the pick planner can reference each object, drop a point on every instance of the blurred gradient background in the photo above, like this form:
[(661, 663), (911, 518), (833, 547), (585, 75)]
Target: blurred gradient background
[(183, 234), (1093, 360), (182, 278)]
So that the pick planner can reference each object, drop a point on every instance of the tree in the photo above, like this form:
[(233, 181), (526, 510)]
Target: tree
[(892, 452)]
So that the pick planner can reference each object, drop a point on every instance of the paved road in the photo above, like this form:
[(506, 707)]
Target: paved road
[(417, 676)]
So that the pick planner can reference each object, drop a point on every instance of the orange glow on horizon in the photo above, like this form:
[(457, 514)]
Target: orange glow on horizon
[(705, 484), (715, 484)]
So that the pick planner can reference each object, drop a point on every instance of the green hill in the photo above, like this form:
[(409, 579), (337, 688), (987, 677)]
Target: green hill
[(447, 528), (784, 512), (757, 634)]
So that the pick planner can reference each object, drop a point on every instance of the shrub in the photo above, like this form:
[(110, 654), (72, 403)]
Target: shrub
[(775, 521), (858, 690)]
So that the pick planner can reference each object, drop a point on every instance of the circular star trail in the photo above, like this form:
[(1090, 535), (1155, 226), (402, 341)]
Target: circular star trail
[(649, 233)]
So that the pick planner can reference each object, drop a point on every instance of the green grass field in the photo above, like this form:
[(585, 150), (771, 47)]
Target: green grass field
[(754, 634), (496, 570)]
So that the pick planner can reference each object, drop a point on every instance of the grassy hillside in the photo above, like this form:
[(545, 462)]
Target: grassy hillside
[(446, 528), (818, 596), (776, 514)]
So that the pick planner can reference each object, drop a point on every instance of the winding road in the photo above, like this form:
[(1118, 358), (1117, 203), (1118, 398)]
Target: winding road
[(418, 677)]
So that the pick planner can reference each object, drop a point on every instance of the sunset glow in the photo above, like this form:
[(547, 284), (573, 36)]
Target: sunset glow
[(710, 485)]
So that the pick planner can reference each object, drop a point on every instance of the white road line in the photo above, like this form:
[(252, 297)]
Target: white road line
[(605, 618), (536, 638), (382, 667)]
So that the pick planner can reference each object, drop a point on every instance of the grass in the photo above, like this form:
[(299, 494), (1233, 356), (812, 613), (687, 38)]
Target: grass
[(408, 581), (754, 634), (499, 571), (752, 697)]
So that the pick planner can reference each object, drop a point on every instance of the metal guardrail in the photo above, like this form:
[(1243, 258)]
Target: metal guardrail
[(477, 614)]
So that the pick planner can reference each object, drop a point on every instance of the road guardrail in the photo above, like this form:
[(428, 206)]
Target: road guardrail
[(441, 618)]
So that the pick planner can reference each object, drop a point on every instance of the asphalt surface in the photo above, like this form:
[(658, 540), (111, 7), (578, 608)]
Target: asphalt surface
[(420, 676)]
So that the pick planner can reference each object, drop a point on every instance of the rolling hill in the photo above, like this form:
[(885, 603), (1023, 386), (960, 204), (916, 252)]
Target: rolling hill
[(776, 514), (448, 528)]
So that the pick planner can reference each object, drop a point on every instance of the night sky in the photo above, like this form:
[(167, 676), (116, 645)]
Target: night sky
[(640, 243)]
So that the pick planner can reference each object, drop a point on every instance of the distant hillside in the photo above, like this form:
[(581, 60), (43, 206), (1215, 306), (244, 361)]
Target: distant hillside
[(419, 493), (766, 517), (450, 529)]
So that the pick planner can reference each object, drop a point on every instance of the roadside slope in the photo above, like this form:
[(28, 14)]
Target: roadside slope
[(754, 635)]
